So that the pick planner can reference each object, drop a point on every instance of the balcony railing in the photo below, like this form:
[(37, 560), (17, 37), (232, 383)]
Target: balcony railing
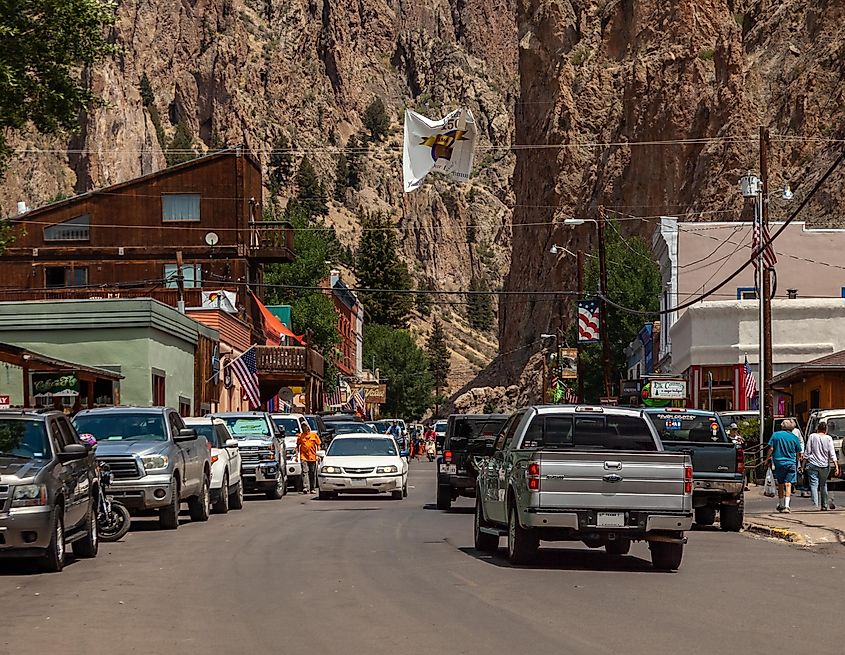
[(289, 360), (168, 296), (271, 241)]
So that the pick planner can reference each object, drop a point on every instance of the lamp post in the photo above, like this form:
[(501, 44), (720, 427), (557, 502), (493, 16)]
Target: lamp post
[(545, 365), (579, 284)]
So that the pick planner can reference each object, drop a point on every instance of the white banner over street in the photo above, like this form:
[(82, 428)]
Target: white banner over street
[(446, 146)]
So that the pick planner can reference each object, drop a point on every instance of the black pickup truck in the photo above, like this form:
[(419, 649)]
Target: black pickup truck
[(466, 435), (718, 463)]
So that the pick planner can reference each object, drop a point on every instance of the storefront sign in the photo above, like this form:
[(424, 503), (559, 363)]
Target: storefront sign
[(669, 389), (5, 402), (568, 363)]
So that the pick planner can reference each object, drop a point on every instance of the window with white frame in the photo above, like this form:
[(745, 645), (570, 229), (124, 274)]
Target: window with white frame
[(180, 207), (77, 228)]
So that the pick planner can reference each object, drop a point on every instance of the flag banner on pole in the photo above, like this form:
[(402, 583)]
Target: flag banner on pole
[(769, 257), (588, 321), (446, 145), (245, 368), (749, 384)]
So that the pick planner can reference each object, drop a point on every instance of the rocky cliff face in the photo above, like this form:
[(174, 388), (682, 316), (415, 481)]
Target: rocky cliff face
[(706, 73)]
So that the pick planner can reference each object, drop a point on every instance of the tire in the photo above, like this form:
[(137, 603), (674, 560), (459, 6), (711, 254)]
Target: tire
[(731, 517), (396, 495), (484, 542), (200, 506), (666, 556), (705, 515), (278, 491), (444, 497), (222, 505), (405, 490), (53, 560), (325, 495), (618, 547), (299, 484), (88, 546), (120, 523), (236, 500), (168, 517), (522, 543)]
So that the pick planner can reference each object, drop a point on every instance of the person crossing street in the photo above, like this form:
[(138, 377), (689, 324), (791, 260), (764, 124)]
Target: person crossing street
[(820, 458), (308, 443), (784, 451)]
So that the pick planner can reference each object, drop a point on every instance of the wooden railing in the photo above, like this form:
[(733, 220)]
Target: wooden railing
[(193, 297), (299, 360), (270, 236)]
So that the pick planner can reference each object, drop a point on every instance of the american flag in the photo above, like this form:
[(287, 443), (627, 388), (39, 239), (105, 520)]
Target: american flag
[(334, 399), (769, 257), (356, 401), (749, 384), (571, 396), (588, 321), (246, 370)]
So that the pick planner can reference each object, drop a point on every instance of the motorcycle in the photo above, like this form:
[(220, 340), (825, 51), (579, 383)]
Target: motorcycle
[(113, 518)]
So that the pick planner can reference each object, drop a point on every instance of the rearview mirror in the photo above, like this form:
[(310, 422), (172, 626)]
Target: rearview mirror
[(321, 453), (186, 434), (73, 452), (231, 443)]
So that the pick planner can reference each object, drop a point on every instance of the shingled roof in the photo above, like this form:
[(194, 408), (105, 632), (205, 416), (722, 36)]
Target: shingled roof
[(834, 363)]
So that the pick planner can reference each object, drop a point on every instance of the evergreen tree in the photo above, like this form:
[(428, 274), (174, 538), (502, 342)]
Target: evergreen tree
[(404, 365), (376, 120), (438, 357), (341, 178), (181, 147), (281, 166), (479, 305), (356, 153), (378, 267), (310, 191), (423, 301), (146, 90)]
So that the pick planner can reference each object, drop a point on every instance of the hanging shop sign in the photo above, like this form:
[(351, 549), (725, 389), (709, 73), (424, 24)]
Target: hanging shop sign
[(669, 389)]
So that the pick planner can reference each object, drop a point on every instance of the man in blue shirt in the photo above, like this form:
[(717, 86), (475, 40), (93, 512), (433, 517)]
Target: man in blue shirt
[(784, 451)]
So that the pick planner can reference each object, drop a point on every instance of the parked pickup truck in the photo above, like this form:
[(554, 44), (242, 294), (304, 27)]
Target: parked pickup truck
[(156, 460), (574, 473), (718, 464), (262, 448)]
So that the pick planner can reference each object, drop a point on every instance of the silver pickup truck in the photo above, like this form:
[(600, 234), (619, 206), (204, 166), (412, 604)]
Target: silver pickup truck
[(593, 474)]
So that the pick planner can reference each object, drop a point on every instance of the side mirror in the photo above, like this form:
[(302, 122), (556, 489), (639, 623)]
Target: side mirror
[(72, 452), (321, 453), (186, 434), (231, 443)]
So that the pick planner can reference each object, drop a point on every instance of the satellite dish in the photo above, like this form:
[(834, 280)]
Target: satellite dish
[(211, 239)]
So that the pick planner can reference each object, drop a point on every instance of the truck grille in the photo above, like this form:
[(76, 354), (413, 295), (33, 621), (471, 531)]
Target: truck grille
[(352, 470), (255, 454), (4, 496), (123, 468)]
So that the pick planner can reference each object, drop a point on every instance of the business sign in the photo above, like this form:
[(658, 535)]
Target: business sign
[(668, 389), (225, 300), (5, 402), (567, 360)]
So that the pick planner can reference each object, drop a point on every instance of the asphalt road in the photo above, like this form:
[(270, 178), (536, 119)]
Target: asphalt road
[(375, 576)]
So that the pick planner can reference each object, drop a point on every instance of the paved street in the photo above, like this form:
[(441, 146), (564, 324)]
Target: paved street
[(380, 576)]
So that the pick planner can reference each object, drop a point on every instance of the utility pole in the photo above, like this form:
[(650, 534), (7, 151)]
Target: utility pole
[(580, 287), (766, 366), (605, 338), (180, 282)]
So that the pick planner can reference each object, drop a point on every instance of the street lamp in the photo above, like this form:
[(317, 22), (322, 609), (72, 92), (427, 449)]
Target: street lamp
[(544, 337)]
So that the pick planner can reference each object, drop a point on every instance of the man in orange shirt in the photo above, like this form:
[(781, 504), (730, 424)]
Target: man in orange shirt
[(308, 443)]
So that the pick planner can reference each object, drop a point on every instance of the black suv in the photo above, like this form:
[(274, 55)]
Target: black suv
[(467, 435), (48, 489)]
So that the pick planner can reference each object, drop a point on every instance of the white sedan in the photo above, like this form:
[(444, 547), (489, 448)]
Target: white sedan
[(362, 463)]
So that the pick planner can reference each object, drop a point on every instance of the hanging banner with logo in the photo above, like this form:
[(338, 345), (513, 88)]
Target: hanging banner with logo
[(225, 300), (588, 321), (446, 146), (567, 360)]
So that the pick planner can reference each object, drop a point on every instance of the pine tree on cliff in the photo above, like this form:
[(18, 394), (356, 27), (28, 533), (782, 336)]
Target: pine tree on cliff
[(438, 357), (341, 178), (423, 300), (376, 120), (181, 146), (479, 305), (310, 191), (378, 267), (281, 166), (355, 153)]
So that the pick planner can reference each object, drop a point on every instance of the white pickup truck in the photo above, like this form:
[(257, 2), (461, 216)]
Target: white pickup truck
[(574, 473)]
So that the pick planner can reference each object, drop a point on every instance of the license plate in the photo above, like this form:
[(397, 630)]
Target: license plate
[(449, 468), (358, 483), (610, 520)]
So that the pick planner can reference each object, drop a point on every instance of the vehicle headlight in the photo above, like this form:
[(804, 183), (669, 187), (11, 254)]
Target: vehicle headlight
[(330, 470), (155, 462), (29, 495), (387, 469)]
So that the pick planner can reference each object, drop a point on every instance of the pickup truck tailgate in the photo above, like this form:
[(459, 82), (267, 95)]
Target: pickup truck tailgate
[(709, 460), (652, 481)]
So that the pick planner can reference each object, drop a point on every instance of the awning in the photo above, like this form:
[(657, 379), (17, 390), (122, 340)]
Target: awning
[(273, 323)]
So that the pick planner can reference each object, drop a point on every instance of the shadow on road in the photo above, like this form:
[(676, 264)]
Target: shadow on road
[(29, 565), (453, 510), (568, 559), (150, 523)]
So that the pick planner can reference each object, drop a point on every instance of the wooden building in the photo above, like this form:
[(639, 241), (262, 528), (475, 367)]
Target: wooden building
[(818, 384)]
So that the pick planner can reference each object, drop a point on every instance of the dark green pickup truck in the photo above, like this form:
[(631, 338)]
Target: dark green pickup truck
[(718, 463)]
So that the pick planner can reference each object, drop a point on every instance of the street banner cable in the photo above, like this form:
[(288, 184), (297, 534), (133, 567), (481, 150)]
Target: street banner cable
[(446, 146)]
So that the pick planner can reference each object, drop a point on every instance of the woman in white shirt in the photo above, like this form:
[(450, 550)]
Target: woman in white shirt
[(819, 456)]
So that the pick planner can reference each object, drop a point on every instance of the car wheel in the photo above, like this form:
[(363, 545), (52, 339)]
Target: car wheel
[(444, 496), (705, 515), (618, 547), (405, 490), (484, 541), (236, 500), (324, 495), (522, 543), (87, 546), (53, 560), (198, 506), (222, 505), (666, 556), (396, 495), (168, 517), (278, 491), (731, 517)]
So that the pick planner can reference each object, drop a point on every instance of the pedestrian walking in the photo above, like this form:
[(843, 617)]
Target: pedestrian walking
[(308, 443), (784, 451), (820, 456)]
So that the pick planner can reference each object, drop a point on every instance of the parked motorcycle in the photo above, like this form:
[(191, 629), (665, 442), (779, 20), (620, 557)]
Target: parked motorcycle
[(113, 518)]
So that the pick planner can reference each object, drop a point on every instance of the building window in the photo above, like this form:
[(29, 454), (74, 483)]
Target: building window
[(191, 272), (184, 406), (746, 293), (843, 292), (180, 207), (56, 277), (73, 229), (815, 399), (158, 389)]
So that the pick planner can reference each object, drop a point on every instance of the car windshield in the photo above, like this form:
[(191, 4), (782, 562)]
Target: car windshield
[(346, 428), (354, 446), (381, 426), (312, 421), (244, 427), (606, 432), (685, 426), (206, 430), (24, 439), (290, 425), (835, 425), (122, 426), (440, 426)]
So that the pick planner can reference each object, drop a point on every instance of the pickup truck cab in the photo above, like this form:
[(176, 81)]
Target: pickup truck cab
[(577, 473), (156, 460), (262, 448), (718, 464), (835, 419)]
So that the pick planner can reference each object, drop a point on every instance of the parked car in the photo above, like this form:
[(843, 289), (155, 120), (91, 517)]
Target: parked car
[(363, 463), (835, 419), (48, 489), (440, 433), (158, 462), (380, 427), (348, 428), (227, 487), (718, 463), (322, 428), (262, 449), (293, 425), (466, 435), (576, 473)]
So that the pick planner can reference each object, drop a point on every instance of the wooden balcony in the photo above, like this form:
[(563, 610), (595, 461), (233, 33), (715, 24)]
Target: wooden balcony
[(270, 242), (193, 297), (289, 362)]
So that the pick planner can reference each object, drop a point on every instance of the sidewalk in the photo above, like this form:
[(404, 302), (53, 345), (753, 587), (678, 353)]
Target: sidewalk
[(804, 525)]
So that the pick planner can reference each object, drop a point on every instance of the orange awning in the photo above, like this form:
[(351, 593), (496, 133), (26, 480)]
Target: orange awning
[(273, 323)]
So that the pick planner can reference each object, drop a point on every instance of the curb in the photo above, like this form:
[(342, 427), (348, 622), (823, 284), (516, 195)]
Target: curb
[(776, 533)]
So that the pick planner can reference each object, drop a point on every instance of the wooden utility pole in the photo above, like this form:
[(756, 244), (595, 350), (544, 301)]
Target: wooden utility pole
[(180, 282), (605, 338), (767, 367), (580, 287)]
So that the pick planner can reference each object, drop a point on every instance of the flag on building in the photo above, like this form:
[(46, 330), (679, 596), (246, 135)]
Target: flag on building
[(245, 369), (588, 321), (769, 257), (749, 384), (571, 396), (446, 145), (334, 399)]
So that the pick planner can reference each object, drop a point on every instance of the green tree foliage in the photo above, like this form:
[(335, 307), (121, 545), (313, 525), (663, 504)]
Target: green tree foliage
[(281, 166), (181, 146), (378, 267), (423, 300), (148, 100), (45, 46), (376, 120), (341, 178), (404, 366), (479, 305), (310, 191), (146, 91), (356, 151), (438, 356), (633, 280)]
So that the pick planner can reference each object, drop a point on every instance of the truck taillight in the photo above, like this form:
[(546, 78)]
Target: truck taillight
[(214, 458), (740, 460), (688, 479), (448, 456), (532, 474)]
